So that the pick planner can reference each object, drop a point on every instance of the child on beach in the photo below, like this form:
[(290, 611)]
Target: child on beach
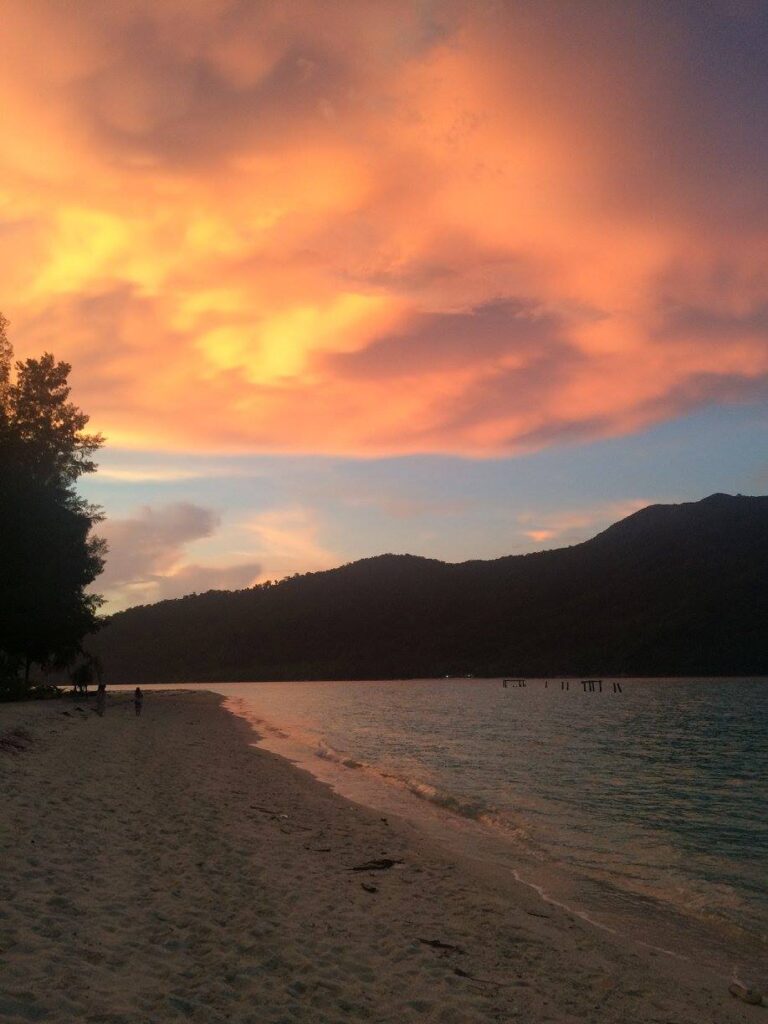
[(138, 700)]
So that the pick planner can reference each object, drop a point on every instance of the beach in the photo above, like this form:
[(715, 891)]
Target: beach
[(164, 868)]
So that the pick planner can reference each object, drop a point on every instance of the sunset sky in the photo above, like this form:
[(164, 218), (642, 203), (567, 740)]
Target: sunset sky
[(340, 277)]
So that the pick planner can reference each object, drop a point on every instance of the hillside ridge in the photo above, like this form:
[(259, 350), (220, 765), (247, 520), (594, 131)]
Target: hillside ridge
[(670, 589)]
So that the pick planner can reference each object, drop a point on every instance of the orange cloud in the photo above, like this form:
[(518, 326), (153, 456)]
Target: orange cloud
[(571, 526), (363, 228), (540, 535)]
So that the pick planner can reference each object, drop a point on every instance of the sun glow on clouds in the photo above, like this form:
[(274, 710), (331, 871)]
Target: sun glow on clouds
[(149, 556), (175, 548), (288, 540), (540, 535), (365, 228), (133, 476), (571, 526)]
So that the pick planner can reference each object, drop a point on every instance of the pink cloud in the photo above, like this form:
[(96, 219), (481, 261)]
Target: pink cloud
[(367, 229), (573, 525), (149, 557)]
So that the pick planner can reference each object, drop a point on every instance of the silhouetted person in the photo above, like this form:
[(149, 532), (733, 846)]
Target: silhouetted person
[(101, 699), (138, 700)]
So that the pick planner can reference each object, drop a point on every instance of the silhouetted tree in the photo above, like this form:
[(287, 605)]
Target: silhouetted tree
[(49, 556)]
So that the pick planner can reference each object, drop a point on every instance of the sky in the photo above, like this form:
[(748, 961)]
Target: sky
[(461, 278)]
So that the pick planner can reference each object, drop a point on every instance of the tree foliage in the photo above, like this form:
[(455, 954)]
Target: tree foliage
[(49, 554)]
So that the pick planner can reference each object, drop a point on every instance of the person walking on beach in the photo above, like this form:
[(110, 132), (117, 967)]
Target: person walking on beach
[(101, 699), (138, 700)]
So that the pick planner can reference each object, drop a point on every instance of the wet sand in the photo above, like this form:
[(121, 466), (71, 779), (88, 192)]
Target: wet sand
[(163, 869)]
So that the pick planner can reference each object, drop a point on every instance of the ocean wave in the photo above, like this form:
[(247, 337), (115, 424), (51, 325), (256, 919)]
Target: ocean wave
[(643, 842), (657, 883), (452, 803), (474, 810)]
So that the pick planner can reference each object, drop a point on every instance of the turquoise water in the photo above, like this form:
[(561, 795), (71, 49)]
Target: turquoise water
[(646, 809)]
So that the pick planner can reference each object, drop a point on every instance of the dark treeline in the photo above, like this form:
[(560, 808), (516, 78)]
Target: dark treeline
[(672, 589), (48, 555)]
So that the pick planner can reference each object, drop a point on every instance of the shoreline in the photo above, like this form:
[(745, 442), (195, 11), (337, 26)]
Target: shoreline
[(667, 917), (167, 868), (447, 827)]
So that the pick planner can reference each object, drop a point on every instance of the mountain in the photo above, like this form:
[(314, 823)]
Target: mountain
[(670, 590)]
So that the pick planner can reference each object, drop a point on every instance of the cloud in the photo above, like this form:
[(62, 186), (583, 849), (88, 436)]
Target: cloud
[(148, 475), (199, 578), (178, 548), (148, 556), (152, 542), (465, 227), (498, 333), (539, 536), (572, 526), (287, 540)]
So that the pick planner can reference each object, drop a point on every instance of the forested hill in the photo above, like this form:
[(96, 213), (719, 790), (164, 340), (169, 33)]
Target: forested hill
[(671, 590)]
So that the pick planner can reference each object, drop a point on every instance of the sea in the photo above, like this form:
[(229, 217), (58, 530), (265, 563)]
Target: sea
[(642, 807)]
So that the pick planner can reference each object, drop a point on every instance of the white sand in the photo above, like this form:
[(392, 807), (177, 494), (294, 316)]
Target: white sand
[(161, 869)]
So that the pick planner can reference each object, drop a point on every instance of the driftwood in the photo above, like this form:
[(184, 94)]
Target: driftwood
[(480, 981), (438, 944), (369, 888), (383, 864)]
